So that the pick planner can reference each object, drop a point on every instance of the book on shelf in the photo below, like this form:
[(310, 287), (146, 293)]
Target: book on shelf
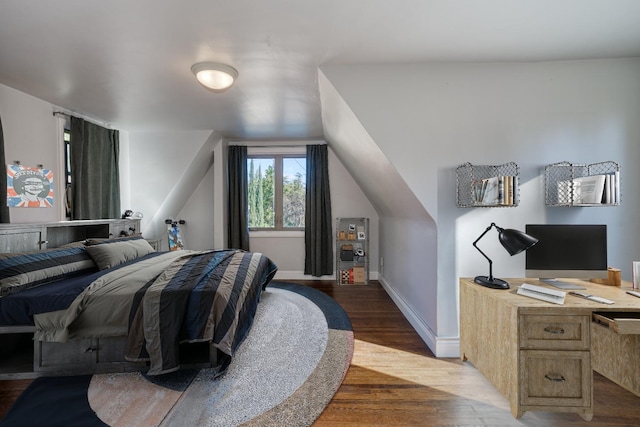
[(510, 189), (611, 193), (495, 191)]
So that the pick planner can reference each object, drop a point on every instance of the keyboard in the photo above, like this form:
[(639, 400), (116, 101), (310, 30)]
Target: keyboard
[(562, 285)]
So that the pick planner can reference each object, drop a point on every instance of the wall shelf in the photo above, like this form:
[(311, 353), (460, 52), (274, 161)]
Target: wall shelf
[(487, 186), (571, 185)]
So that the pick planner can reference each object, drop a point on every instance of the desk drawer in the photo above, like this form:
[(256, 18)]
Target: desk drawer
[(622, 323), (555, 378), (616, 356), (550, 332)]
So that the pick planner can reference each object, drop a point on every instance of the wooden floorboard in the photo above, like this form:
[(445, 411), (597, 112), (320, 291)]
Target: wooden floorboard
[(394, 379)]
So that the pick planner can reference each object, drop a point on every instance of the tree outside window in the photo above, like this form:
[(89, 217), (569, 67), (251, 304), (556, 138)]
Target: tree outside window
[(276, 192)]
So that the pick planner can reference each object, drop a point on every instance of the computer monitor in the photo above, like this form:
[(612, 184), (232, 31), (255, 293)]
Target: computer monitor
[(567, 251)]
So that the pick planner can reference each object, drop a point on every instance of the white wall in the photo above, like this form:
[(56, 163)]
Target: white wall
[(30, 136), (167, 169), (407, 241), (433, 117)]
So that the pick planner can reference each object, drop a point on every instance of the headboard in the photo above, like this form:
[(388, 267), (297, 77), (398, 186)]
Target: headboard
[(39, 236)]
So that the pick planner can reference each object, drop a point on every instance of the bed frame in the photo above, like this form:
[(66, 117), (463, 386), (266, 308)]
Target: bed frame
[(23, 357)]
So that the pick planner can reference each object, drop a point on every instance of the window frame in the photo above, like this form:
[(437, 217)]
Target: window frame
[(278, 177)]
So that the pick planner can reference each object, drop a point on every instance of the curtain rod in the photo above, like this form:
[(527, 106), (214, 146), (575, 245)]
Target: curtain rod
[(278, 144), (68, 116)]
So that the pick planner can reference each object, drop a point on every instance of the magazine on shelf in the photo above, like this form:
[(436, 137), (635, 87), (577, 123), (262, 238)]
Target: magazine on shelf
[(589, 189), (491, 194)]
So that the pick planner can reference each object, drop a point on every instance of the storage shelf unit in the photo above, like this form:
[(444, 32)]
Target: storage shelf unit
[(559, 190), (474, 185), (352, 251)]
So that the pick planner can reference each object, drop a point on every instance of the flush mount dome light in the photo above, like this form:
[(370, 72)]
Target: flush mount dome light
[(215, 77)]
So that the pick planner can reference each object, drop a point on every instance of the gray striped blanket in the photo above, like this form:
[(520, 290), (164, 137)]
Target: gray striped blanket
[(208, 296)]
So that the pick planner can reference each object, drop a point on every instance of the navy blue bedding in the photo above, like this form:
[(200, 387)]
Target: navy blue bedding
[(19, 308)]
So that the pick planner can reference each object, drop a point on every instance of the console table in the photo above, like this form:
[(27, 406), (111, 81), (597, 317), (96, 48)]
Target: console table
[(540, 355)]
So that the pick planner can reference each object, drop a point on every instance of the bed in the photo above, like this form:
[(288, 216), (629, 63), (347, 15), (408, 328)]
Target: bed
[(116, 304)]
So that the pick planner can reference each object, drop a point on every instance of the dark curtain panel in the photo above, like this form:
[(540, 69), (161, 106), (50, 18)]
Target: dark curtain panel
[(238, 230), (95, 181), (318, 229), (4, 209)]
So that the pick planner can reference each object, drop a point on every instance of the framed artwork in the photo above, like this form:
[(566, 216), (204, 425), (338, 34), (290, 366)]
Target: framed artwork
[(29, 187)]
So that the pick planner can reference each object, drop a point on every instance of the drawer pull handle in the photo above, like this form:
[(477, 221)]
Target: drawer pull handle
[(555, 379), (553, 330), (90, 349)]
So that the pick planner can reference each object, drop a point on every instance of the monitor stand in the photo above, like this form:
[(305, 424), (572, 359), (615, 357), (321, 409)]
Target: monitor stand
[(561, 285)]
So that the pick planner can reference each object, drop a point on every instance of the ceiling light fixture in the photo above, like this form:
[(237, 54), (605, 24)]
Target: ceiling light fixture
[(215, 77)]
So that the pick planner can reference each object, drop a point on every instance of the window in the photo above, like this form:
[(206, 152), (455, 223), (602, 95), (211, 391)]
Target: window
[(276, 191)]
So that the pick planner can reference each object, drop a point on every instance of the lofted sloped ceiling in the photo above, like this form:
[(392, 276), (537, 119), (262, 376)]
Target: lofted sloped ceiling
[(366, 162), (127, 62)]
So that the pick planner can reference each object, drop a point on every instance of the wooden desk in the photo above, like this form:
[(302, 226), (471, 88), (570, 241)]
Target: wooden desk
[(540, 355)]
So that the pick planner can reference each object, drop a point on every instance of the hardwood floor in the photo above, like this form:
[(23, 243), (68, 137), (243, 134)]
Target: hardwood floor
[(394, 380)]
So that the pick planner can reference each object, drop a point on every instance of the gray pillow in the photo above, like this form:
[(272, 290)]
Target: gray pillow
[(110, 253)]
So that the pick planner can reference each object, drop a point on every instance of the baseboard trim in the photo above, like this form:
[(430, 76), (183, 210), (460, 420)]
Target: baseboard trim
[(440, 346), (299, 275)]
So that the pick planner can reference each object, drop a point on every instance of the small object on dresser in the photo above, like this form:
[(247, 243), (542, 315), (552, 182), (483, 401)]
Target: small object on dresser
[(591, 297), (613, 278), (634, 293), (544, 294)]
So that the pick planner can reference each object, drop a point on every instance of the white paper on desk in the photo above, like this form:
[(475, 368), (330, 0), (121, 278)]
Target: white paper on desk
[(544, 294)]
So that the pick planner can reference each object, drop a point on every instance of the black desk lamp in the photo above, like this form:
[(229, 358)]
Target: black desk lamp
[(514, 242)]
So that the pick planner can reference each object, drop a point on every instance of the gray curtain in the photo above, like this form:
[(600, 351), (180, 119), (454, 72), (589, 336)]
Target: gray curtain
[(318, 229), (95, 181), (4, 209), (238, 230)]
